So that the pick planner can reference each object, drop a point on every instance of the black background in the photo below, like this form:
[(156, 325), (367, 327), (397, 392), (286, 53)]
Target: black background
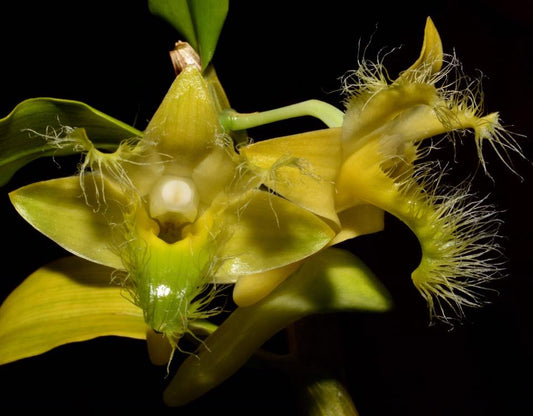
[(113, 55)]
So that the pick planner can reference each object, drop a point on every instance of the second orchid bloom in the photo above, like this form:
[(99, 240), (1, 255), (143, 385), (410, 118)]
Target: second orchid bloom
[(379, 169)]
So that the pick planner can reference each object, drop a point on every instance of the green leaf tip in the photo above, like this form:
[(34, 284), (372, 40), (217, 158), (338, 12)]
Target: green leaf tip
[(23, 132), (199, 21)]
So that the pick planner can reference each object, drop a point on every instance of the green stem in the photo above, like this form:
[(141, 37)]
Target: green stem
[(331, 281), (324, 396), (316, 345), (227, 349), (328, 114)]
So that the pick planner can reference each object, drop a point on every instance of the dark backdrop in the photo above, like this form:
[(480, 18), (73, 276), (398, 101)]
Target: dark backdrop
[(113, 55)]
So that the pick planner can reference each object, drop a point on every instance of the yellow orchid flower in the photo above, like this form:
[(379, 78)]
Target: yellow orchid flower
[(379, 148), (384, 126), (173, 212)]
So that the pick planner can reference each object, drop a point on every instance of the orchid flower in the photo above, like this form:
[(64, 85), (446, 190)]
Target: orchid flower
[(172, 210), (172, 214), (384, 125), (160, 220)]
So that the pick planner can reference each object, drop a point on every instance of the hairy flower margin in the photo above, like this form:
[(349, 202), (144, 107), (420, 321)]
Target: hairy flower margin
[(457, 232), (183, 210), (386, 166)]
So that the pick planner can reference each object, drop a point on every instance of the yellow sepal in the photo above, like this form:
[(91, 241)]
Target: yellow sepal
[(431, 55)]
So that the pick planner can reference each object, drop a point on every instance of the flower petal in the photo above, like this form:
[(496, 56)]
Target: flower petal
[(270, 232), (301, 168), (252, 288), (369, 115), (359, 220), (58, 209), (66, 301), (456, 231), (362, 177), (356, 221)]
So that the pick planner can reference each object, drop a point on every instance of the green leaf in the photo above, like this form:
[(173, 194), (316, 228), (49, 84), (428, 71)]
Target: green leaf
[(178, 14), (199, 21), (66, 301), (208, 16), (333, 280), (58, 209), (20, 132)]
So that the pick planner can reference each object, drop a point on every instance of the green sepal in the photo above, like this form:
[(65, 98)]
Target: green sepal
[(199, 21), (333, 280), (21, 139), (69, 300)]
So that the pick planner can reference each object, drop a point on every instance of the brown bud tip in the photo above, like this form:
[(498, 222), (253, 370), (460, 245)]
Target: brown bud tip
[(184, 55)]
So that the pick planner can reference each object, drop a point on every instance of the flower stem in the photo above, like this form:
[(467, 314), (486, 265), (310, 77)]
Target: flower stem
[(327, 397), (318, 371), (328, 114), (330, 281)]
